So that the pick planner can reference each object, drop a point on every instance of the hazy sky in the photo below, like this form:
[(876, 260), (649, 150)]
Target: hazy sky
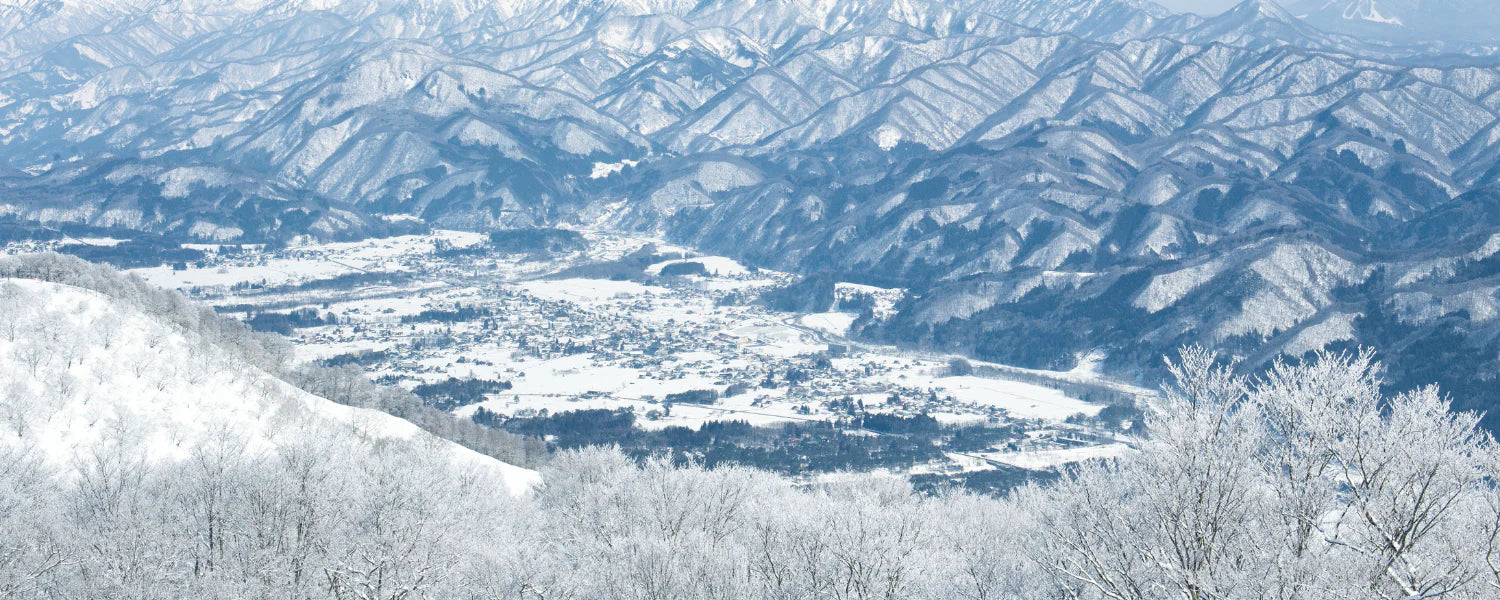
[(1206, 7)]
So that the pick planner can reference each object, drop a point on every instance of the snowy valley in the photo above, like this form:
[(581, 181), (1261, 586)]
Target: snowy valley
[(600, 327)]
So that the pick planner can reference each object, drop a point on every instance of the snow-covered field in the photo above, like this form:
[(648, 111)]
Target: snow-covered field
[(1020, 399), (834, 323), (1043, 459)]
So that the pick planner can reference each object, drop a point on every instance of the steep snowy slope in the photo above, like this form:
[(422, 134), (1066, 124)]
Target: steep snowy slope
[(79, 370)]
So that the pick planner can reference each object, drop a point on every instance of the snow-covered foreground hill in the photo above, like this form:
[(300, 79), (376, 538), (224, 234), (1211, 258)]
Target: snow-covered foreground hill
[(79, 371)]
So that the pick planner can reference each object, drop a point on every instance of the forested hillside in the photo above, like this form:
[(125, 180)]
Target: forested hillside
[(80, 330)]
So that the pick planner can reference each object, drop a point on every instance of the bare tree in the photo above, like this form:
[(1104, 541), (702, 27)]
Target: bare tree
[(34, 550)]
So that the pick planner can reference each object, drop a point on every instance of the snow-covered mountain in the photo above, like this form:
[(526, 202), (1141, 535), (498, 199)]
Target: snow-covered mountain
[(1451, 20), (263, 117), (84, 373), (1048, 176)]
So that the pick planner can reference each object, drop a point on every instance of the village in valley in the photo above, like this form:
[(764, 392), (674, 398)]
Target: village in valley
[(528, 330)]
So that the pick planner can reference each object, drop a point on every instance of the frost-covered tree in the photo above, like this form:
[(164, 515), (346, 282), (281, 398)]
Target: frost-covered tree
[(204, 491), (1178, 519), (34, 549), (1306, 482), (401, 535), (114, 508)]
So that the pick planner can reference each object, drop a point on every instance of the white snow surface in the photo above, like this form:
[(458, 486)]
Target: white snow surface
[(836, 323), (1044, 459), (602, 170), (1020, 399)]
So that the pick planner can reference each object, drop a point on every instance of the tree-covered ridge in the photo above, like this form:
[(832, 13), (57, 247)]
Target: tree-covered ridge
[(203, 328)]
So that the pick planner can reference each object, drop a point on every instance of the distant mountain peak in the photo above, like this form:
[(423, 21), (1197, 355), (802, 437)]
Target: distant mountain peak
[(1260, 9), (1265, 24)]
